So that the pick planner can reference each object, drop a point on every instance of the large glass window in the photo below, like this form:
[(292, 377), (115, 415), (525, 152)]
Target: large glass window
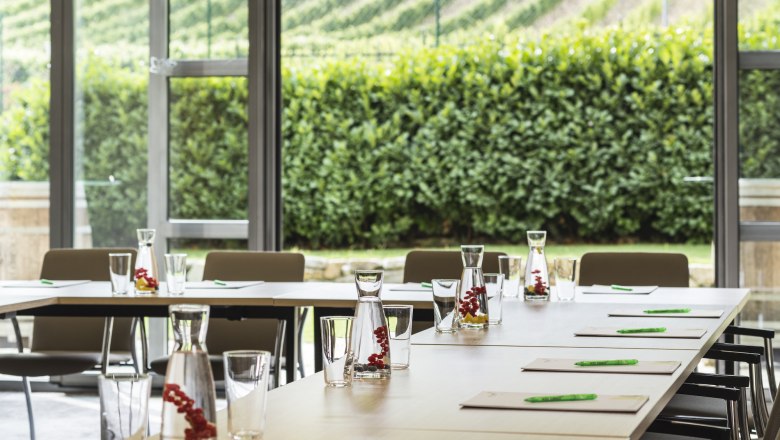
[(433, 123), (111, 117)]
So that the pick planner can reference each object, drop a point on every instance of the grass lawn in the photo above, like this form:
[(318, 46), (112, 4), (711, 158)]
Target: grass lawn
[(697, 253)]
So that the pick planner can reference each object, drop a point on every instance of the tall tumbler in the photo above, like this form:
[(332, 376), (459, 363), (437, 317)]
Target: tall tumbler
[(246, 389), (337, 355), (124, 406)]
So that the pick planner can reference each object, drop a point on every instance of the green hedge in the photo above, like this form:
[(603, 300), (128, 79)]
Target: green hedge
[(589, 136)]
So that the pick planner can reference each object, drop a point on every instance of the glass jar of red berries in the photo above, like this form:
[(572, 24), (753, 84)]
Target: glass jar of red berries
[(189, 398), (370, 343), (472, 304), (537, 278)]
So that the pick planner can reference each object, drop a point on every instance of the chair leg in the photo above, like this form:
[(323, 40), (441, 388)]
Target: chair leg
[(301, 321), (742, 410), (770, 366), (761, 395), (133, 354), (25, 380), (144, 346), (754, 397), (28, 398), (732, 412), (281, 327)]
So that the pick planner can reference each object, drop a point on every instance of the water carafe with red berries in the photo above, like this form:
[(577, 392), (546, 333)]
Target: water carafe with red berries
[(189, 398), (537, 279), (472, 296), (370, 343)]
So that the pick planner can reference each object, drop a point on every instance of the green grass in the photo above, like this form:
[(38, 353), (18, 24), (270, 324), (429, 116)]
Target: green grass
[(697, 253)]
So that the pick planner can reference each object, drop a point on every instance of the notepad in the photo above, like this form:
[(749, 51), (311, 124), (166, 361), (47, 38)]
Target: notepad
[(679, 333), (694, 313), (410, 287), (197, 285), (568, 365), (37, 284), (511, 400), (602, 289)]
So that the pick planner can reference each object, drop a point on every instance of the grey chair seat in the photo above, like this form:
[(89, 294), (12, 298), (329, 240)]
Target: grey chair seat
[(695, 406), (53, 363), (160, 365)]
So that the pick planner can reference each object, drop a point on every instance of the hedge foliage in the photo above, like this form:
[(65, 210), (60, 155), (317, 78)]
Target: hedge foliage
[(589, 136)]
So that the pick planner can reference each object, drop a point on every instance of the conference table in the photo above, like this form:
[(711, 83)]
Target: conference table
[(447, 369)]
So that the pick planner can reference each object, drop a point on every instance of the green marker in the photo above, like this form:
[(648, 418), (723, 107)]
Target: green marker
[(426, 285), (604, 363), (623, 288), (561, 398), (667, 311), (642, 330), (220, 283), (47, 282)]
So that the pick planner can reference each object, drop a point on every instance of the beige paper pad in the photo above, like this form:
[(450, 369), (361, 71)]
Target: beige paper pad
[(694, 313), (197, 285), (608, 290), (568, 365), (604, 403), (681, 333)]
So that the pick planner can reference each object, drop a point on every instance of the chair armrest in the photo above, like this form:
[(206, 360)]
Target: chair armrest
[(723, 346), (728, 394), (723, 380), (733, 356), (689, 429), (748, 331)]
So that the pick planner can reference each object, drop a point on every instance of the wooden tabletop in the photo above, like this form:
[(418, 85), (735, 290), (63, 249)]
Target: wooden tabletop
[(554, 324)]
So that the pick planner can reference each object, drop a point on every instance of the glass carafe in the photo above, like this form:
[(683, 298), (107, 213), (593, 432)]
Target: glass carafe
[(537, 279), (472, 296), (146, 273), (189, 408), (370, 344)]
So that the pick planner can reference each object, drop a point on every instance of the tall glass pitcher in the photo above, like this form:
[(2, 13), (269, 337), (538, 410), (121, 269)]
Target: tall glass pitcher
[(472, 296), (189, 408), (370, 344), (537, 279), (146, 273)]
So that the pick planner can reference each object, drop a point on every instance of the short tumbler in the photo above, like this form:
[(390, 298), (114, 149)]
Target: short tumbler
[(564, 270), (399, 331), (444, 299), (337, 350), (119, 269), (246, 389), (511, 268), (124, 406), (494, 284), (175, 272)]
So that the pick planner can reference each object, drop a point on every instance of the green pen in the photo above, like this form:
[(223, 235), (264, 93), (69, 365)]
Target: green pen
[(220, 283), (47, 282), (667, 311), (623, 288), (426, 285), (561, 398), (608, 362), (642, 330)]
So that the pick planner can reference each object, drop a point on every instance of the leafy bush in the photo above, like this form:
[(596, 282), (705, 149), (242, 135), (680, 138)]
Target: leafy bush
[(589, 136)]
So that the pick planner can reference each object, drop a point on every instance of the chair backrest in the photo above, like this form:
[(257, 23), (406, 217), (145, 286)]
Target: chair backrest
[(79, 333), (423, 266), (254, 266), (635, 268), (250, 334)]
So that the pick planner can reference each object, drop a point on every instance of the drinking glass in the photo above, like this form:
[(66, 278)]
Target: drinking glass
[(124, 405), (175, 272), (564, 270), (119, 269), (337, 350), (511, 268), (399, 330), (246, 389), (494, 284), (444, 299)]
